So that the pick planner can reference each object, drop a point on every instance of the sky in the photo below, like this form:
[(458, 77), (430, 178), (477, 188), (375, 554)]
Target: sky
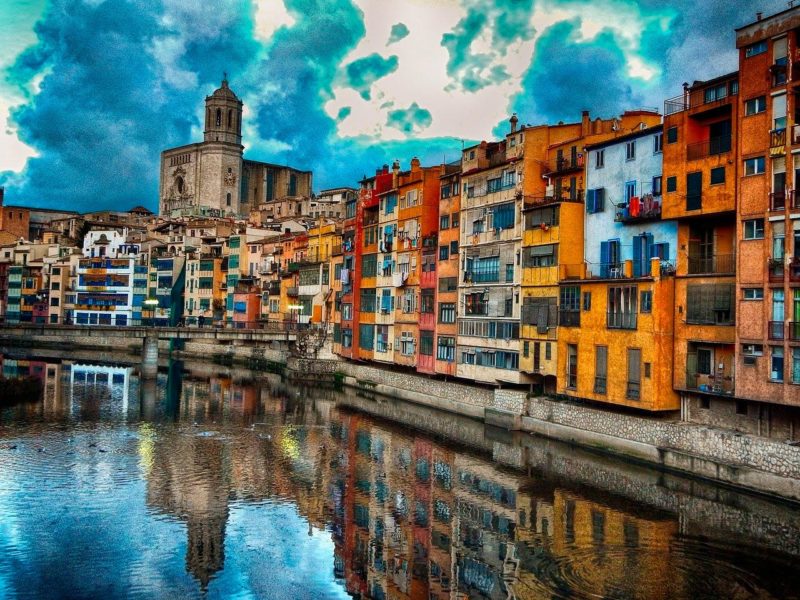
[(91, 91)]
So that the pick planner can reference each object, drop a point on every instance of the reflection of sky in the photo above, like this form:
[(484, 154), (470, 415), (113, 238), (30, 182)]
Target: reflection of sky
[(73, 521)]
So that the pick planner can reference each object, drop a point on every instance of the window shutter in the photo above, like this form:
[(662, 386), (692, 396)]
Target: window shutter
[(604, 259), (590, 201), (600, 200)]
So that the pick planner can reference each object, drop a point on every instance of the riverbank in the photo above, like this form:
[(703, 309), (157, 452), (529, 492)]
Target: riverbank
[(727, 457)]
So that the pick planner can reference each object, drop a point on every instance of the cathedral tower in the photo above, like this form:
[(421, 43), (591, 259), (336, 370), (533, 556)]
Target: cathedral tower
[(223, 116)]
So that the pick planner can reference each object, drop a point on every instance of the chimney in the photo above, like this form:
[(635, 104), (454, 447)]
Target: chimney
[(513, 120), (395, 172), (759, 15), (2, 193), (585, 123), (385, 168), (415, 164)]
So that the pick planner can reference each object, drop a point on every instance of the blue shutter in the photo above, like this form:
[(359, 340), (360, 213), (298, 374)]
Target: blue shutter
[(650, 252), (604, 259), (590, 201), (637, 255), (600, 200)]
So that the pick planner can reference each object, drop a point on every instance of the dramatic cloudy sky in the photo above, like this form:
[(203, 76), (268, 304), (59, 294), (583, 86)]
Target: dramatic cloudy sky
[(92, 90)]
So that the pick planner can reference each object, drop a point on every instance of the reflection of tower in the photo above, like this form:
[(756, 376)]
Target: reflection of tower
[(205, 553)]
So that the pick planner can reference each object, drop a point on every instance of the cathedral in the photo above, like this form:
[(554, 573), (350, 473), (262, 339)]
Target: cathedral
[(212, 177)]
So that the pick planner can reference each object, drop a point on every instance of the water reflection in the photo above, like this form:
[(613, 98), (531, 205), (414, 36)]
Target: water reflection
[(221, 485)]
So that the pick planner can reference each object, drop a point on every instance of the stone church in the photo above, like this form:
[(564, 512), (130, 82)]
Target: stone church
[(212, 178)]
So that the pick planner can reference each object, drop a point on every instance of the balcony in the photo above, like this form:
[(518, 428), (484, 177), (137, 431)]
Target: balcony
[(551, 197), (778, 200), (720, 384), (292, 291), (777, 142), (794, 269), (718, 264), (794, 331), (776, 270), (633, 390), (711, 147), (569, 318), (776, 330), (621, 320), (565, 165), (638, 210)]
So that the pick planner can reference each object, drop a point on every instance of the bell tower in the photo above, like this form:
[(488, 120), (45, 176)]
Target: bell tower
[(223, 116)]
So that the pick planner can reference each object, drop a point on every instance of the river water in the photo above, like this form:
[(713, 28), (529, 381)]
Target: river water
[(216, 483)]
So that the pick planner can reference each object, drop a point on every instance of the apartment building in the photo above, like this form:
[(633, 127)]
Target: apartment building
[(447, 267), (388, 278), (553, 162), (205, 281), (767, 231), (615, 344), (700, 167)]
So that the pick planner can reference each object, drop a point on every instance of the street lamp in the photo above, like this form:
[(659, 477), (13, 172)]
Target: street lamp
[(151, 304)]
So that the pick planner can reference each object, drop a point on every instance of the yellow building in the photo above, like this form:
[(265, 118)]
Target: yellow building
[(552, 245)]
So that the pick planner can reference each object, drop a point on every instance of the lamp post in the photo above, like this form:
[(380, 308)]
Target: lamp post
[(151, 304)]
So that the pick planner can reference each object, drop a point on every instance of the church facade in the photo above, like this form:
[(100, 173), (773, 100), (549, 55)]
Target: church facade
[(212, 178)]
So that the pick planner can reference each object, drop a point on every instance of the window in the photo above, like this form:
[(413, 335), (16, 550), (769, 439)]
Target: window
[(710, 304), (754, 166), (630, 150), (694, 190), (541, 218), (658, 142), (347, 312), (444, 222), (672, 135), (572, 366), (448, 284), (228, 199), (482, 269), (368, 300), (753, 293), (646, 301), (754, 229), (600, 369), (476, 304), (776, 364), (755, 105), (634, 373), (595, 200), (755, 49), (447, 312), (540, 256), (796, 366), (717, 175), (657, 189), (426, 343), (366, 336), (453, 248), (717, 92), (509, 273), (446, 349), (454, 220), (587, 301), (369, 265), (599, 159), (622, 307), (503, 216), (444, 252), (672, 184), (548, 353)]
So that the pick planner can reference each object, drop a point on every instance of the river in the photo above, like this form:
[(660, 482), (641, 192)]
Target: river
[(213, 482)]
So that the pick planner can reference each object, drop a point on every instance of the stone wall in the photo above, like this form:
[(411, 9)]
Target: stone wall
[(730, 447), (512, 401)]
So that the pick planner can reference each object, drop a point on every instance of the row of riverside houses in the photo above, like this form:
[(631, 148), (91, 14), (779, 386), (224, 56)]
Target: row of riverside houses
[(637, 261), (643, 261)]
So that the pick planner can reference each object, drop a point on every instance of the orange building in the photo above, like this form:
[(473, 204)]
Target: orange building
[(14, 220), (699, 172), (447, 269), (768, 230)]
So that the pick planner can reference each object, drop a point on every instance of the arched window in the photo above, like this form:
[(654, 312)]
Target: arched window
[(179, 184), (208, 118), (228, 199), (230, 119), (219, 117)]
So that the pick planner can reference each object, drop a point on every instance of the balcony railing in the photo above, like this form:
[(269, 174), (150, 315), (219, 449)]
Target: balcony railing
[(569, 318), (551, 197), (563, 165), (711, 147), (777, 330), (647, 208), (718, 264), (621, 320), (633, 390), (794, 331), (600, 385), (776, 270), (292, 291), (778, 200)]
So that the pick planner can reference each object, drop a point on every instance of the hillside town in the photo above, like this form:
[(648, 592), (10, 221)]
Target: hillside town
[(648, 260)]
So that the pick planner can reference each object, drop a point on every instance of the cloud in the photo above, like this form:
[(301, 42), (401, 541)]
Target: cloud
[(399, 31), (97, 90), (362, 73), (410, 120)]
